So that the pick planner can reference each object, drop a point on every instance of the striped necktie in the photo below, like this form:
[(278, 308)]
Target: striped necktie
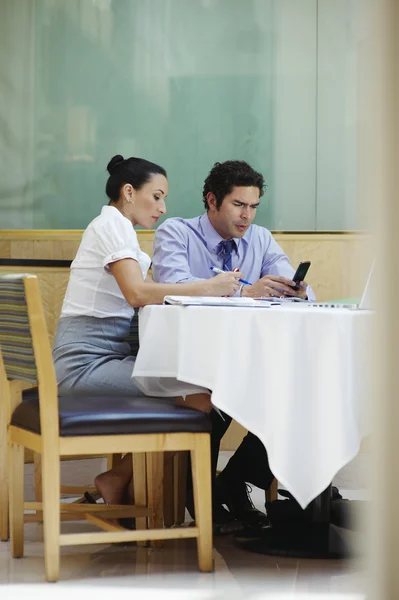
[(227, 247)]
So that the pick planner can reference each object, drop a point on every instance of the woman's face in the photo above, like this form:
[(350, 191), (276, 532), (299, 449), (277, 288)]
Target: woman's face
[(146, 205)]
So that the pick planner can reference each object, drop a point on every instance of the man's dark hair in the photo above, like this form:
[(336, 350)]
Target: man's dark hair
[(223, 177)]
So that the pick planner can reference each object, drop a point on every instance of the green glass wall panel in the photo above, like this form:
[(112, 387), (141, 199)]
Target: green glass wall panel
[(184, 83)]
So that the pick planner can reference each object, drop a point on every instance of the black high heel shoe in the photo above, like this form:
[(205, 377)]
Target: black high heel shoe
[(92, 498)]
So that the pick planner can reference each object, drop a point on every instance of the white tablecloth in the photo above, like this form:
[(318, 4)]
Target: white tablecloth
[(295, 376)]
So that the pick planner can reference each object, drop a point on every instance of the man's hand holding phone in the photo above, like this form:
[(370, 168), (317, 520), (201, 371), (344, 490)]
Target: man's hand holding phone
[(301, 291), (276, 286)]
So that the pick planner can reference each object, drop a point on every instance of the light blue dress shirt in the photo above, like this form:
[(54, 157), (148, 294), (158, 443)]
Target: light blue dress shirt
[(185, 249)]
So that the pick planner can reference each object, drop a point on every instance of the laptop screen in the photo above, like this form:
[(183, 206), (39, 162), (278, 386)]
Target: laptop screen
[(366, 301)]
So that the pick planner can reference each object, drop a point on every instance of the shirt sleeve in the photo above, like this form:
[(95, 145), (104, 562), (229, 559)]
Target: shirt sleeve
[(117, 241), (170, 255), (275, 262)]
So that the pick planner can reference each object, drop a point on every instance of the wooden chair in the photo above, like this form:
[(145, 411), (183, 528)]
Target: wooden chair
[(55, 427), (60, 270)]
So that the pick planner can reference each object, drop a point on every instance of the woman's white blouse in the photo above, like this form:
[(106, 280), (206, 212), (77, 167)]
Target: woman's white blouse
[(92, 289)]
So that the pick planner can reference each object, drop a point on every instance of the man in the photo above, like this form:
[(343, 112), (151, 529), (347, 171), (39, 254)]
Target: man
[(224, 237)]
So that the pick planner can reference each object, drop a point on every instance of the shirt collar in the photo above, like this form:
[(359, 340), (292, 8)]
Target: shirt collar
[(112, 209), (212, 237)]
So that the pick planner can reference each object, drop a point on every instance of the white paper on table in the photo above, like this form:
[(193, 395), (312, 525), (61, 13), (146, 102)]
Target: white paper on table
[(215, 301)]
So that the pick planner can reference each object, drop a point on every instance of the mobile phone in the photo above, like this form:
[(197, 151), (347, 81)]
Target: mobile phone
[(300, 273)]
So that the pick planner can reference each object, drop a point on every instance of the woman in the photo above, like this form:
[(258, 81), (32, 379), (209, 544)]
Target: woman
[(108, 278)]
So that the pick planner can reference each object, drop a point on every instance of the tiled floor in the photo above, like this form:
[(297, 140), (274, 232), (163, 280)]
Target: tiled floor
[(172, 570), (237, 573)]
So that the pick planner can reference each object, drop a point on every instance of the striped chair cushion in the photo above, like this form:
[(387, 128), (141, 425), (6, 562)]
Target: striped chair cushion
[(15, 335)]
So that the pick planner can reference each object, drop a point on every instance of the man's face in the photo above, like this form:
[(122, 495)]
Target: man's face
[(236, 213)]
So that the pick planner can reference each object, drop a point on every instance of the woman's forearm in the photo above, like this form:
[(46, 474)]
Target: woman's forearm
[(149, 292), (139, 292)]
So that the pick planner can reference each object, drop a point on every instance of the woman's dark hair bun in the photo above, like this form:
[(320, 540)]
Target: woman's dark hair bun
[(136, 171), (114, 163)]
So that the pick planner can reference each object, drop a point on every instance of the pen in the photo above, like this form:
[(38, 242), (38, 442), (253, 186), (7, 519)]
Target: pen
[(216, 270)]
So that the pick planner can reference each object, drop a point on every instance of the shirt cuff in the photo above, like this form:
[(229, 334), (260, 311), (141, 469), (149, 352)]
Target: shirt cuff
[(237, 294), (115, 256), (310, 294)]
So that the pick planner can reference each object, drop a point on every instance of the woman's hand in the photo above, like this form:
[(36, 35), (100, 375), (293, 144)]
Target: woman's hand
[(225, 284)]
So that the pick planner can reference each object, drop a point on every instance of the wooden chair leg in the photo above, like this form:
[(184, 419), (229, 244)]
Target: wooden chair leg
[(271, 494), (201, 470), (37, 463), (4, 522), (17, 455), (168, 490), (140, 488), (155, 491), (180, 486), (4, 518), (51, 514)]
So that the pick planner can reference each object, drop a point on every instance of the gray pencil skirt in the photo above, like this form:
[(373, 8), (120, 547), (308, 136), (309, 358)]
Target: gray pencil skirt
[(91, 356)]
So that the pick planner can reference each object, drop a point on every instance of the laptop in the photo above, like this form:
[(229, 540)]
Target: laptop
[(365, 302)]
